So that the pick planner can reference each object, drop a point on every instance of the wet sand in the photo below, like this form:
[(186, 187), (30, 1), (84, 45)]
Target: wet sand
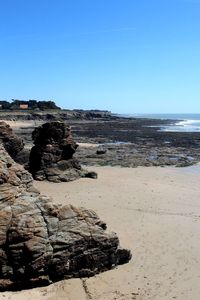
[(156, 214)]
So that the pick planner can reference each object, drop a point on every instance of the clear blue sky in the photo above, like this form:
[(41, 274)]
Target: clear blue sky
[(128, 56)]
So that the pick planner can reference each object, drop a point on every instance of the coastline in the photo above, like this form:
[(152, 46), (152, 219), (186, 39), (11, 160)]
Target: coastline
[(126, 142), (155, 212)]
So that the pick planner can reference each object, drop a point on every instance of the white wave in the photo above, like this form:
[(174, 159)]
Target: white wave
[(187, 122), (181, 128)]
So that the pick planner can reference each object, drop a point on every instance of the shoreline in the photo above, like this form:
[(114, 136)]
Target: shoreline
[(155, 212), (125, 142)]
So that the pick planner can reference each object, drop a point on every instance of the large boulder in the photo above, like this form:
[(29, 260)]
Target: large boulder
[(51, 157), (41, 242), (12, 143)]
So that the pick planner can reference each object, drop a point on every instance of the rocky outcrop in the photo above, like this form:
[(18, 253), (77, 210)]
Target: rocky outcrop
[(46, 115), (12, 143), (51, 157), (41, 242)]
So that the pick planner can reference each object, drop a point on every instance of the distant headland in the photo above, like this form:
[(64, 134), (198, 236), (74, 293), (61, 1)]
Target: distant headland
[(46, 110), (17, 104)]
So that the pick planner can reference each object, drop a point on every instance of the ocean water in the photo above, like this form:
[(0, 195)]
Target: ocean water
[(184, 122)]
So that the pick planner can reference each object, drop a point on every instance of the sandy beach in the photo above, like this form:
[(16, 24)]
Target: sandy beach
[(21, 124), (156, 214)]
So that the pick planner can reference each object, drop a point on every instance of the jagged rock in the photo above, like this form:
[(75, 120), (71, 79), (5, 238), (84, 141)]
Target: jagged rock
[(101, 151), (51, 157), (90, 174), (12, 143), (41, 242)]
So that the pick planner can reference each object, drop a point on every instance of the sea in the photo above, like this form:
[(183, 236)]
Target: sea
[(183, 123)]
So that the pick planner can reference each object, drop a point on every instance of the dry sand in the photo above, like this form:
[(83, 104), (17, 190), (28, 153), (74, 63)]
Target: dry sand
[(156, 213), (20, 124)]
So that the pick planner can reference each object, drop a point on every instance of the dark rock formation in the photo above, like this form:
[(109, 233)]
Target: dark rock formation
[(45, 111), (52, 156), (101, 151), (12, 143), (41, 242)]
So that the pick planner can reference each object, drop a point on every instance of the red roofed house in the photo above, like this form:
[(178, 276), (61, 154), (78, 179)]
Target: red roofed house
[(23, 106)]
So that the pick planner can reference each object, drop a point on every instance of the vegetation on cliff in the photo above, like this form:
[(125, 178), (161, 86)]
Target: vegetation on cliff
[(29, 104)]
